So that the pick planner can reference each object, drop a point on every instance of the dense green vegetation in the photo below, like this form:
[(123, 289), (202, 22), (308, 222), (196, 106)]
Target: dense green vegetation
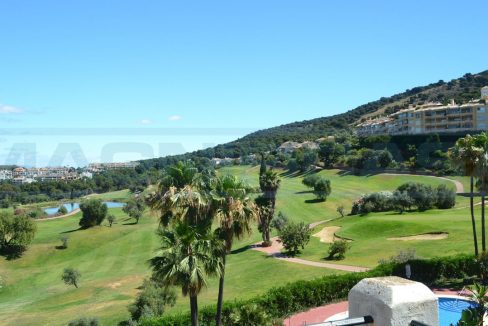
[(462, 90), (299, 296), (113, 263), (36, 192)]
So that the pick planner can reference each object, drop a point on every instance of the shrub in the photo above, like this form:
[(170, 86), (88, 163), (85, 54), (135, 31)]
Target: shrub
[(71, 276), (16, 232), (340, 210), (35, 213), (402, 201), (423, 196), (94, 212), (374, 202), (338, 249), (445, 197), (64, 242), (279, 222), (310, 180), (62, 210), (111, 219), (299, 296), (400, 258), (252, 315), (295, 236), (322, 188), (152, 300), (84, 321)]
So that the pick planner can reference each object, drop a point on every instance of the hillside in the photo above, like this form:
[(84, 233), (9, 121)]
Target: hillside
[(461, 90)]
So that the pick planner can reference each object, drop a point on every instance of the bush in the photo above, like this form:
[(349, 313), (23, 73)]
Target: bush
[(400, 258), (152, 301), (64, 242), (295, 236), (279, 222), (252, 315), (338, 249), (94, 212), (423, 196), (402, 201), (322, 188), (445, 197), (299, 296), (310, 180), (16, 232), (62, 210), (340, 210), (90, 321), (71, 276), (374, 202)]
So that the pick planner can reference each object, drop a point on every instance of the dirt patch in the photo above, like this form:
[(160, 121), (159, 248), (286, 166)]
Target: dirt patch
[(423, 237), (327, 234)]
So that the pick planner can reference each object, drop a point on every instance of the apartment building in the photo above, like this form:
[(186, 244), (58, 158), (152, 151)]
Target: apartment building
[(431, 118), (5, 174)]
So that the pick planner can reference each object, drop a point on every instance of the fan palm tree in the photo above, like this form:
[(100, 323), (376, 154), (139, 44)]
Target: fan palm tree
[(270, 183), (481, 141), (235, 212), (466, 154), (188, 256), (181, 193)]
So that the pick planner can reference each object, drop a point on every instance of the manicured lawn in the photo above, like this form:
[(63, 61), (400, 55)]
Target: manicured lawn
[(113, 264), (113, 261)]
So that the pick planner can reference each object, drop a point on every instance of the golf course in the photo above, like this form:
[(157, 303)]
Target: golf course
[(113, 261)]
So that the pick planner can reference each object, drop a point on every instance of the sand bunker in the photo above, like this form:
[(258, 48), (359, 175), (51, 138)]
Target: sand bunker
[(425, 236), (327, 234)]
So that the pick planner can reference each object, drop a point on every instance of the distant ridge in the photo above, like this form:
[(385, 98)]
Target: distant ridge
[(462, 90)]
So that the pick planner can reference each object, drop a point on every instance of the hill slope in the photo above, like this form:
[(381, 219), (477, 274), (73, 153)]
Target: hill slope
[(461, 90)]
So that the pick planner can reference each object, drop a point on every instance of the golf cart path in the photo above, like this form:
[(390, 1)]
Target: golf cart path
[(458, 184), (74, 212), (275, 251)]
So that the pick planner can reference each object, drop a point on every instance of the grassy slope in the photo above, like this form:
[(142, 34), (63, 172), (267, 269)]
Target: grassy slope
[(112, 262), (370, 232)]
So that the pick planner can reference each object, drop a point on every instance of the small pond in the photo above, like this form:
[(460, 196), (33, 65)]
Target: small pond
[(74, 206)]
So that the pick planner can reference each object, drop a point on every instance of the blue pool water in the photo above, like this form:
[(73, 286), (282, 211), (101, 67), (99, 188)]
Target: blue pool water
[(74, 206), (450, 310)]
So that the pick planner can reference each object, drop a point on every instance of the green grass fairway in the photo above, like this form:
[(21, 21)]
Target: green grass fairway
[(113, 261)]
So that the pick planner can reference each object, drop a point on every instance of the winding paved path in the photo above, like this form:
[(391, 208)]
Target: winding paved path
[(458, 184), (275, 252), (275, 249)]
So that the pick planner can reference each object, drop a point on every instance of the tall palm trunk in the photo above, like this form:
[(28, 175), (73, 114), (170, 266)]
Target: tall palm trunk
[(483, 236), (473, 222), (194, 310), (220, 301)]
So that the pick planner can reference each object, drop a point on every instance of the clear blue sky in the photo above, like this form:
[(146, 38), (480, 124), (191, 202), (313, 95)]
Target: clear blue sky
[(243, 65)]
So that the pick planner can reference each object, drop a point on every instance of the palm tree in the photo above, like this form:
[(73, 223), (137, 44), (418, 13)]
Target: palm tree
[(188, 256), (181, 193), (235, 213), (465, 154), (270, 183), (481, 141)]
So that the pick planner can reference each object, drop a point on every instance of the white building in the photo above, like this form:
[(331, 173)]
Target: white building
[(5, 174), (484, 93)]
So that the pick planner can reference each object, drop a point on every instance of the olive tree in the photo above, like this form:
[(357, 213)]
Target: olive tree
[(71, 276), (94, 212)]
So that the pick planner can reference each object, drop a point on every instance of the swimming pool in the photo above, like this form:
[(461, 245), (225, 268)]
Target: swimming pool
[(450, 310)]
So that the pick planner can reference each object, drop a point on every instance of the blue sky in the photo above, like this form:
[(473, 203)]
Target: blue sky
[(227, 67)]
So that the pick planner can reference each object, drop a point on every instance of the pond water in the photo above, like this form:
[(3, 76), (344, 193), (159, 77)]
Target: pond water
[(74, 206)]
